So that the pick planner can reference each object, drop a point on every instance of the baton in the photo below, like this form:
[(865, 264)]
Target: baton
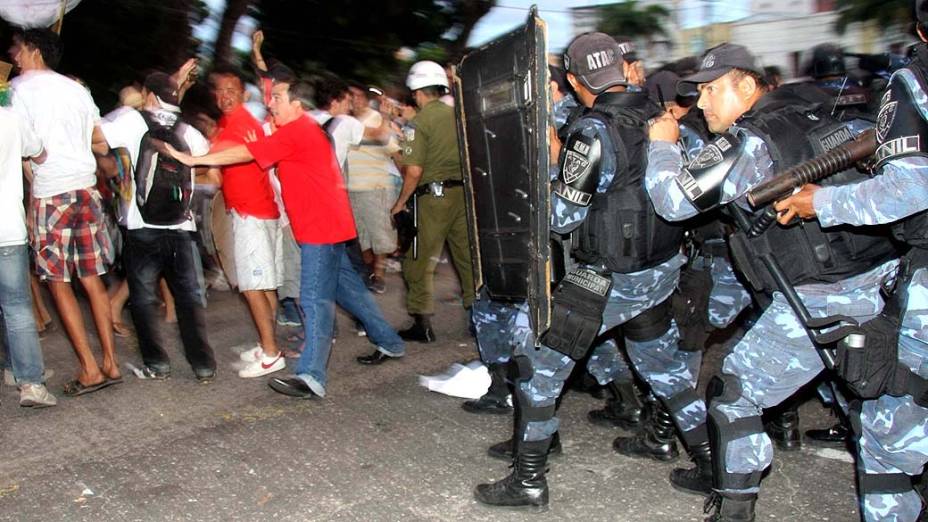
[(795, 302), (415, 222)]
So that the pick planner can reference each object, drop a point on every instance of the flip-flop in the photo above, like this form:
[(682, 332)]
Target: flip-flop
[(111, 382), (76, 389)]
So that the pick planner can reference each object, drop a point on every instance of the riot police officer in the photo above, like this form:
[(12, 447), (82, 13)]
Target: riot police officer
[(832, 272), (630, 261), (890, 453)]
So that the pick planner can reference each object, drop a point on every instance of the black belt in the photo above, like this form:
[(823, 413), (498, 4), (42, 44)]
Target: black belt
[(429, 188)]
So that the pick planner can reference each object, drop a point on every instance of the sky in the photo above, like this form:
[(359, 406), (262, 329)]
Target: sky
[(508, 14)]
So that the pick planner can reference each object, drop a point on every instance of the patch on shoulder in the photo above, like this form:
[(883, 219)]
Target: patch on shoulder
[(710, 155), (885, 120), (576, 165)]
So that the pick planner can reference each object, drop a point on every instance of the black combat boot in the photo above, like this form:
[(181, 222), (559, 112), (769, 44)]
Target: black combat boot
[(655, 440), (731, 507), (837, 435), (783, 430), (496, 399), (420, 331), (526, 485), (698, 479), (503, 450), (624, 410)]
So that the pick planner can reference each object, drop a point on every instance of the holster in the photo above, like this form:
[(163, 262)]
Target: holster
[(690, 306), (869, 362), (577, 312)]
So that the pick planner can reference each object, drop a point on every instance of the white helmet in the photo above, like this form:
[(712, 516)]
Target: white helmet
[(426, 73)]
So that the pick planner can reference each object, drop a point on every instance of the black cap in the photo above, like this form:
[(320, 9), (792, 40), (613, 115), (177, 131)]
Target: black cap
[(596, 60), (627, 46), (921, 10), (718, 61), (162, 86), (662, 86)]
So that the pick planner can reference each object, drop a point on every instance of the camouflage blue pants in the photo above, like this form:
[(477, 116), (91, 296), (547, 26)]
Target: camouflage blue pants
[(668, 370), (776, 357), (728, 297), (894, 436), (494, 323), (497, 334)]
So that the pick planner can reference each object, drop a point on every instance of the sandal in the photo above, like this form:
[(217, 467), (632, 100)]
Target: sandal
[(76, 389)]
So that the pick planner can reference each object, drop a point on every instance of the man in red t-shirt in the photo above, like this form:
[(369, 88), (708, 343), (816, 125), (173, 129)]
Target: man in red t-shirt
[(317, 205), (256, 233)]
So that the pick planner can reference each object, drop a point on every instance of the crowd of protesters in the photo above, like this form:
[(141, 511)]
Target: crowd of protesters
[(99, 209)]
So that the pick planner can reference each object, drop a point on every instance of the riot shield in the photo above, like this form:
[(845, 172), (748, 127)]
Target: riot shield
[(502, 105)]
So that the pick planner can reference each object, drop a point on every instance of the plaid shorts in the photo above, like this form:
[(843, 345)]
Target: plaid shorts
[(70, 236)]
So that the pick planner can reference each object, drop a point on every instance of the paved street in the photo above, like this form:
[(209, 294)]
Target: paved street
[(378, 448)]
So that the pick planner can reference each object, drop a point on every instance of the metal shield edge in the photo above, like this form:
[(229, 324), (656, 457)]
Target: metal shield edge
[(461, 121)]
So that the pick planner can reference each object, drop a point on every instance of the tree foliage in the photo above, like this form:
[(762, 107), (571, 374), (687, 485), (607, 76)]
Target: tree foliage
[(354, 38), (628, 20), (359, 39), (885, 13), (110, 44)]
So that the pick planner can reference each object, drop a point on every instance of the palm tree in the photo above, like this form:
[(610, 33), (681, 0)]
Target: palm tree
[(885, 13), (627, 20)]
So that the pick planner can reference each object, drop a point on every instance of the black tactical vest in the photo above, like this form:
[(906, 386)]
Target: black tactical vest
[(622, 232), (895, 124), (796, 130)]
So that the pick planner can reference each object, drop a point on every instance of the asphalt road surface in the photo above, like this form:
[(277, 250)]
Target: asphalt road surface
[(379, 447)]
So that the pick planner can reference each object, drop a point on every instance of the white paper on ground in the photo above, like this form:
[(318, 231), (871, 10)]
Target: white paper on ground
[(469, 381)]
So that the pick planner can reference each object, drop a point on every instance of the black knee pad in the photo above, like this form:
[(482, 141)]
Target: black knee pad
[(650, 324), (724, 388), (519, 369)]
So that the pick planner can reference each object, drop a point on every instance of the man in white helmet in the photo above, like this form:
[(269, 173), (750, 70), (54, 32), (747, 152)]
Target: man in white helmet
[(433, 175)]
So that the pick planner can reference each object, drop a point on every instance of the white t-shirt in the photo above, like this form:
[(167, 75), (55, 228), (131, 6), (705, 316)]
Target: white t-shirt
[(17, 141), (63, 115), (127, 130), (346, 132)]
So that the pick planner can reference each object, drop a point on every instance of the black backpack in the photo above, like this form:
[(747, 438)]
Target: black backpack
[(163, 185)]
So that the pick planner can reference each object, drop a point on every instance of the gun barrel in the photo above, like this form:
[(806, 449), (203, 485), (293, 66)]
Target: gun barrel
[(815, 169)]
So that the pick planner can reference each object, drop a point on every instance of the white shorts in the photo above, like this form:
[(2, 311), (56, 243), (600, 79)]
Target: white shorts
[(258, 252)]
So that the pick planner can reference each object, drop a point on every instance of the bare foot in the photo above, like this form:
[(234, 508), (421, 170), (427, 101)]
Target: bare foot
[(111, 370)]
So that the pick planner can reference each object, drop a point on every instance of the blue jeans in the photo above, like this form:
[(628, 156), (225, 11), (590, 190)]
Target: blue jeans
[(327, 278), (21, 346)]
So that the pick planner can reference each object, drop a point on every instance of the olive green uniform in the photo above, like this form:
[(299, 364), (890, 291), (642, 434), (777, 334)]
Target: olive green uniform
[(433, 145)]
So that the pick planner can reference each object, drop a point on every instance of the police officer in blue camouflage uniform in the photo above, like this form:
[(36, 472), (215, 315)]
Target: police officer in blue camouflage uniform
[(495, 326), (625, 277), (893, 441), (727, 297), (835, 272)]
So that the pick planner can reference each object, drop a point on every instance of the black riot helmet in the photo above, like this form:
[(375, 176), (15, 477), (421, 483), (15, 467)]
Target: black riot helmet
[(827, 60)]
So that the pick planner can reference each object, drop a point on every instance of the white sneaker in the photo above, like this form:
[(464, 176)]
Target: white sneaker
[(263, 366), (36, 396), (252, 354)]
